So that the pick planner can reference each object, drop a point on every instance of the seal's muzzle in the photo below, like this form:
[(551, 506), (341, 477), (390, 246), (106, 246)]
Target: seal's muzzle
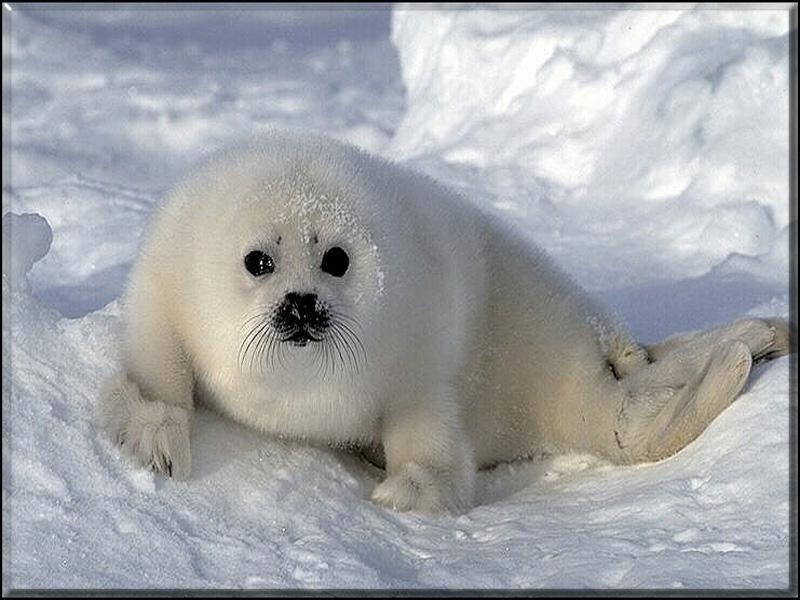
[(301, 318)]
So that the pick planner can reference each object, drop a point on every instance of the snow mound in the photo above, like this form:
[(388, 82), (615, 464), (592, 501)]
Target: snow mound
[(266, 513), (26, 239), (76, 277), (668, 128)]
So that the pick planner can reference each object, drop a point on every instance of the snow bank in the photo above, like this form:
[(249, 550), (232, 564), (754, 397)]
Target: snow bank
[(77, 277), (26, 239), (666, 128), (265, 513)]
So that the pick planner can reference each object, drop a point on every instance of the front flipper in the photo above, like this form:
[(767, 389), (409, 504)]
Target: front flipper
[(429, 460), (156, 434)]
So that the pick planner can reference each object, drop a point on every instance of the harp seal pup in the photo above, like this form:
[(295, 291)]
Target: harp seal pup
[(305, 288)]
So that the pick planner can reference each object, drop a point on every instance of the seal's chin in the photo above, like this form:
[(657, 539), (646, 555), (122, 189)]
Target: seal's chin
[(301, 338)]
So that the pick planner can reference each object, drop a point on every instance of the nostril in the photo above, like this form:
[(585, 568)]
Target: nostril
[(293, 298), (302, 305), (309, 302), (296, 298)]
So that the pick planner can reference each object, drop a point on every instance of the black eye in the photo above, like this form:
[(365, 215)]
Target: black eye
[(335, 262), (258, 263)]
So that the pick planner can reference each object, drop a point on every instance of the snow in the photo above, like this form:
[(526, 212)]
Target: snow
[(676, 120), (647, 150), (26, 239)]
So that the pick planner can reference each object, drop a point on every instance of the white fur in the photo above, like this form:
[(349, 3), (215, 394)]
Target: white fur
[(474, 347)]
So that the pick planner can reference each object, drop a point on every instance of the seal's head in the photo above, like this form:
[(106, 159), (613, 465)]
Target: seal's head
[(307, 298), (291, 274)]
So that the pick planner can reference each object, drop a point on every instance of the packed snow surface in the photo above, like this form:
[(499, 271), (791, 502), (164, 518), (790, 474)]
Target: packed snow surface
[(646, 150)]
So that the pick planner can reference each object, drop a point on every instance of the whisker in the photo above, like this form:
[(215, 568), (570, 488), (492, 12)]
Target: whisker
[(335, 339), (318, 362), (339, 344), (272, 350), (259, 350), (344, 318), (348, 347), (259, 336), (281, 355), (248, 341), (253, 318), (354, 337), (329, 358), (345, 338)]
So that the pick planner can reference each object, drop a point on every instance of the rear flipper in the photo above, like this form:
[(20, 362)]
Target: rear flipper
[(781, 343), (669, 403), (766, 338)]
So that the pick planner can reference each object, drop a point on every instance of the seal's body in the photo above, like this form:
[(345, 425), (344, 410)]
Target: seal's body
[(305, 288)]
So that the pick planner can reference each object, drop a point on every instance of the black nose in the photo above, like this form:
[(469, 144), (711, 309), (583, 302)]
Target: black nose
[(300, 319), (301, 315), (304, 304)]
